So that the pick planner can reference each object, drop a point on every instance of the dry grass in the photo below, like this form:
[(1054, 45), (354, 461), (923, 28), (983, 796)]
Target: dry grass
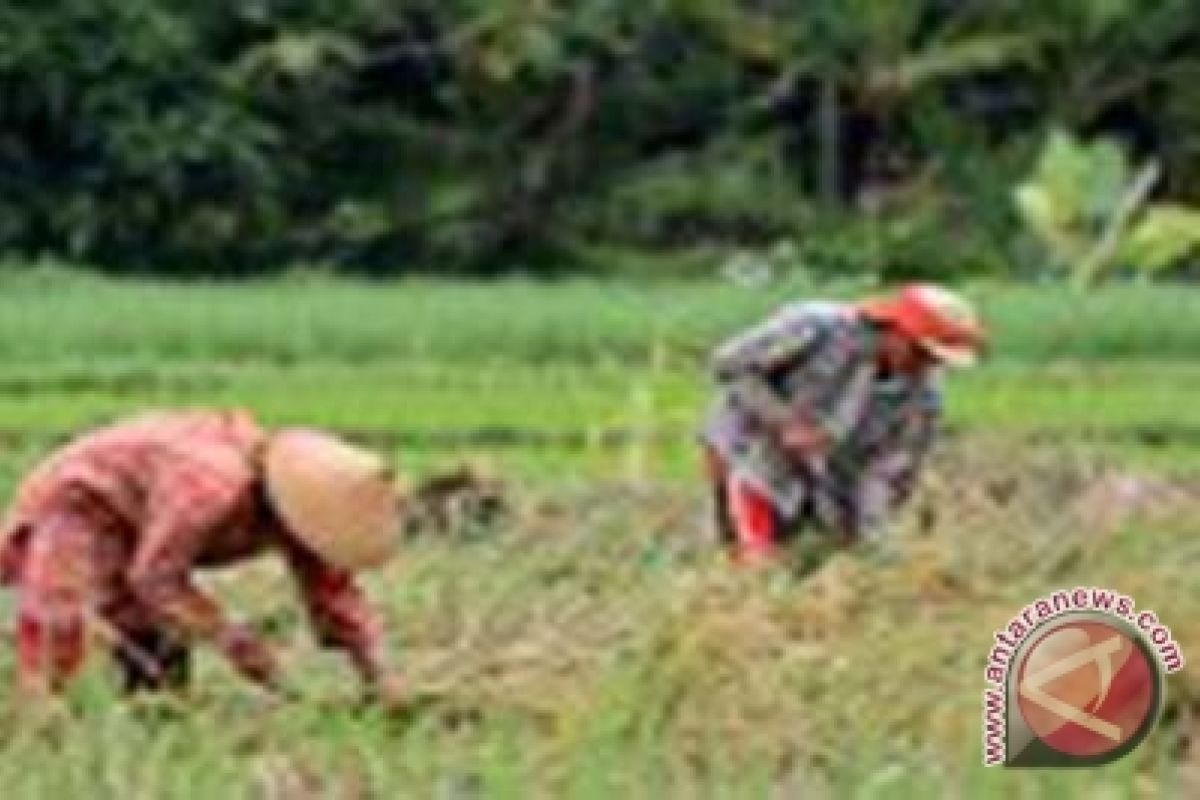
[(596, 643)]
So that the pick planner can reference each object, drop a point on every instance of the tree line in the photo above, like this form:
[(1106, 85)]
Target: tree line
[(477, 136)]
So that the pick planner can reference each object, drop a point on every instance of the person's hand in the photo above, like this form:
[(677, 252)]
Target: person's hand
[(803, 438), (390, 692), (34, 695), (249, 654)]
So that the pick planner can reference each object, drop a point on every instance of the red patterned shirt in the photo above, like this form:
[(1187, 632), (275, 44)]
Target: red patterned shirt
[(160, 495)]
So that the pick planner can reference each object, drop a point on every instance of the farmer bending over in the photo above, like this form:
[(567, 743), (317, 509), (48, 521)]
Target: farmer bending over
[(825, 412), (106, 532)]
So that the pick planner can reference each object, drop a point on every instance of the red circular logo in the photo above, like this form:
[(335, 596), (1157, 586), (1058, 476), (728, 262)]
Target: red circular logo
[(1086, 688)]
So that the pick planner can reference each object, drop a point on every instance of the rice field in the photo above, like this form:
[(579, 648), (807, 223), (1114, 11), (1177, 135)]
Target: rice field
[(592, 643)]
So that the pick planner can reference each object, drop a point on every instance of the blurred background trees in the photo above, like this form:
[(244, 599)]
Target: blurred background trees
[(478, 136)]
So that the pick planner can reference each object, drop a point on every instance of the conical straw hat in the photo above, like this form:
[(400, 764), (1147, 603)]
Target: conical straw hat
[(337, 499)]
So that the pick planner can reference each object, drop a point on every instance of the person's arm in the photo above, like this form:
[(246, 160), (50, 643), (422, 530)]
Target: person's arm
[(819, 360), (13, 546), (914, 443), (889, 479), (343, 620), (184, 510), (744, 364)]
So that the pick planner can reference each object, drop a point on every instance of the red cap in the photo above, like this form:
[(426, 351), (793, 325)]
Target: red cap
[(939, 320)]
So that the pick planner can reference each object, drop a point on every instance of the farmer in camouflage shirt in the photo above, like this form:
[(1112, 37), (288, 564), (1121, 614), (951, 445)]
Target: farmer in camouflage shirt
[(826, 411)]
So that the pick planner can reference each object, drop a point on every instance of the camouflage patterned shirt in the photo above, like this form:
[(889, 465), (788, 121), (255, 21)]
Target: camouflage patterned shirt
[(817, 361)]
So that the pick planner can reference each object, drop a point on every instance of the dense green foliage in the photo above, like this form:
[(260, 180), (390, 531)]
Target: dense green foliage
[(463, 135)]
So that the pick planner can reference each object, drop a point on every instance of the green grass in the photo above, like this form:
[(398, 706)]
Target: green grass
[(50, 314), (595, 645)]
